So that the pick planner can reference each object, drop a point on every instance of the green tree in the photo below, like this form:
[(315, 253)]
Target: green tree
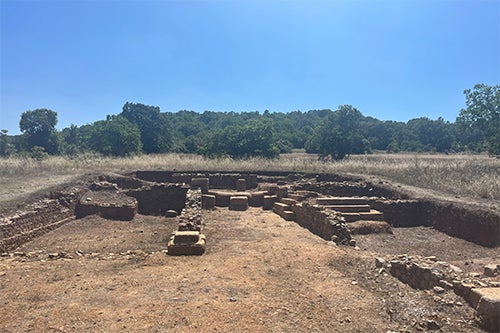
[(6, 147), (38, 128), (431, 135), (479, 122), (156, 133), (115, 136), (340, 134), (255, 138)]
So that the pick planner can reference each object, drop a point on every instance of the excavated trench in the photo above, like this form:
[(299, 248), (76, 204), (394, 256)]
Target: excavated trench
[(159, 192), (334, 207)]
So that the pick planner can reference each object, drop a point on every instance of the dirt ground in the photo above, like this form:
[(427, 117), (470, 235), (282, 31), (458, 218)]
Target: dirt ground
[(260, 273)]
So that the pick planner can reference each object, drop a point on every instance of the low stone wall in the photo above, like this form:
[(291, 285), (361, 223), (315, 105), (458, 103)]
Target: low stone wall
[(108, 204), (348, 189), (218, 180), (158, 199), (401, 213), (190, 218), (481, 292), (327, 225), (37, 220)]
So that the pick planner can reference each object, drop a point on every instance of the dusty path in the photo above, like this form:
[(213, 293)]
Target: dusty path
[(259, 274)]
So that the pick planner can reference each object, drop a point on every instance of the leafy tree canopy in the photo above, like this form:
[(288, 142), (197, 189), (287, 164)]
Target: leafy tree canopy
[(480, 120), (115, 136), (340, 134), (38, 128), (155, 130)]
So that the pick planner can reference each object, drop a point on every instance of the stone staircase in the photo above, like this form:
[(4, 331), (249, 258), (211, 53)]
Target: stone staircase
[(356, 211)]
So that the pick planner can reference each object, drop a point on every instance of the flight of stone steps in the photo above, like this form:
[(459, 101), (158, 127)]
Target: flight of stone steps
[(356, 211), (351, 208)]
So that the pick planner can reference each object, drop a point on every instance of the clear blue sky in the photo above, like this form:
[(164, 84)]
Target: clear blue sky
[(393, 60)]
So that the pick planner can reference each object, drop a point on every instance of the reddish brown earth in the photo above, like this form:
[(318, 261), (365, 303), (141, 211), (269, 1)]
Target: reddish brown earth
[(260, 273)]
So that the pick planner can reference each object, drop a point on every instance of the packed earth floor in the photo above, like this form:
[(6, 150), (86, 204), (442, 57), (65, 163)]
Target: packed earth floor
[(259, 273)]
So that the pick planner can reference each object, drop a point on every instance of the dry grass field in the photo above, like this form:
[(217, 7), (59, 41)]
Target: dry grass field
[(467, 176)]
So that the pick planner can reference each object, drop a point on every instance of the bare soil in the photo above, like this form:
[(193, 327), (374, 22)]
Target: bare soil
[(260, 273)]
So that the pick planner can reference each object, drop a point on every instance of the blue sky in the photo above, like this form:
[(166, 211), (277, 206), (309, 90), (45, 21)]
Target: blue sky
[(393, 60)]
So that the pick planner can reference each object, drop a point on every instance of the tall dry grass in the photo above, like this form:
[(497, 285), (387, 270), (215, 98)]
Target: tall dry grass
[(474, 176)]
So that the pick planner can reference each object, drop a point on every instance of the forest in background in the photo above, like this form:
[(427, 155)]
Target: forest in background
[(141, 128)]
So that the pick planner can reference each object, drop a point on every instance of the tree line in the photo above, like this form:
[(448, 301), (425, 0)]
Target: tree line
[(141, 128)]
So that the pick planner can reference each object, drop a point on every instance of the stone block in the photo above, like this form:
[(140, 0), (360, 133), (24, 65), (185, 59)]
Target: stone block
[(186, 243), (202, 183), (238, 203), (186, 237), (256, 199), (491, 270), (207, 201), (241, 185), (488, 308), (280, 207), (268, 201), (222, 198)]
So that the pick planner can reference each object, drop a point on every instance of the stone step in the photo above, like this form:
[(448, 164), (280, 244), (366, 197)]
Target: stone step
[(289, 201), (342, 201), (280, 207), (296, 196), (349, 208), (286, 214), (372, 215)]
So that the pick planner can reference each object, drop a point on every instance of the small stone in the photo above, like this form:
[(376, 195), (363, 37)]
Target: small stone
[(232, 299), (379, 262), (438, 290), (432, 325), (491, 270), (54, 255), (19, 254), (171, 213)]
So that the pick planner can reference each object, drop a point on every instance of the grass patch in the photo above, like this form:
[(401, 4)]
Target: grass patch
[(476, 176)]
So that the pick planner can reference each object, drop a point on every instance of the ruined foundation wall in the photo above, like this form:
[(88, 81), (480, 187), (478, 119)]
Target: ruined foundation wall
[(158, 199), (190, 218), (328, 226), (42, 217), (217, 180), (401, 213)]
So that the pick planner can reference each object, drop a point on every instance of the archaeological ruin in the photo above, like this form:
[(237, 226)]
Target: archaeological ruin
[(334, 207)]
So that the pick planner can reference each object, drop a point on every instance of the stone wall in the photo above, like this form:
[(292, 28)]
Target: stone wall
[(217, 180), (158, 199), (327, 225), (37, 220), (401, 213), (190, 218)]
